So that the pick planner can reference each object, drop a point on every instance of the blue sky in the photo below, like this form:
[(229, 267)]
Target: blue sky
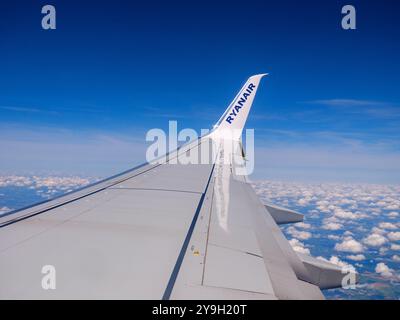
[(80, 99)]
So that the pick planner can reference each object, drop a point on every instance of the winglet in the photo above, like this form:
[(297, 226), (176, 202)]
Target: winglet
[(234, 118), (283, 215)]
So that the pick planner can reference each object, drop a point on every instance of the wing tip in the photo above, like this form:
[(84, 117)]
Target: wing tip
[(261, 75)]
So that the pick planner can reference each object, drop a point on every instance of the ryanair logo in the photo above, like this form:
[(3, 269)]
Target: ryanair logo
[(239, 104)]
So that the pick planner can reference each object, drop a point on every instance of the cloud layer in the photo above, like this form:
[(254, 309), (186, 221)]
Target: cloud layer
[(353, 224)]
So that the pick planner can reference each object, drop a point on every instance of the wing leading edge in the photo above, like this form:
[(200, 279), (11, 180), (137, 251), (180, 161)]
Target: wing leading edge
[(163, 231)]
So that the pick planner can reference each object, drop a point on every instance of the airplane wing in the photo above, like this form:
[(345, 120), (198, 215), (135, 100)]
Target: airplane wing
[(163, 230)]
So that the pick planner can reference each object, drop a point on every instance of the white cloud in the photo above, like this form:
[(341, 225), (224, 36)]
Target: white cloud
[(323, 206), (347, 201), (396, 258), (392, 214), (383, 270), (387, 225), (392, 207), (299, 246), (335, 260), (394, 236), (303, 225), (303, 202), (349, 245), (50, 182), (375, 240), (350, 103), (356, 257), (361, 229), (340, 213), (4, 210), (395, 247), (378, 230), (332, 226), (302, 235)]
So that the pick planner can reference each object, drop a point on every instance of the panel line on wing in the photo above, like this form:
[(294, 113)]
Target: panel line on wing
[(153, 189), (237, 250), (208, 236), (175, 271)]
